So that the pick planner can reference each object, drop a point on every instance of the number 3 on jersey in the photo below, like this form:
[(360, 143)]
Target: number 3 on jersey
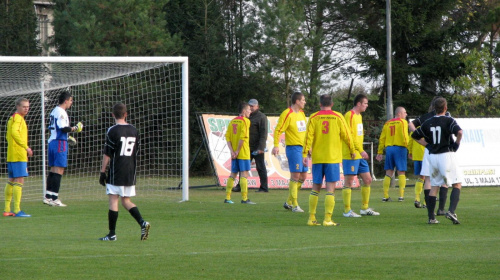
[(127, 146)]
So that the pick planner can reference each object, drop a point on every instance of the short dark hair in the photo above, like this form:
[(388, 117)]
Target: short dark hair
[(439, 105), (296, 96), (65, 95), (359, 98), (242, 106), (119, 110), (325, 100), (431, 106)]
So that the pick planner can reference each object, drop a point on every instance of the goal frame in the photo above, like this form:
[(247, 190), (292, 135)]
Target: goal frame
[(103, 59)]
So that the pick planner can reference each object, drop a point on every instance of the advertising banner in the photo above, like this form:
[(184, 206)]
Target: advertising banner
[(277, 166), (479, 152)]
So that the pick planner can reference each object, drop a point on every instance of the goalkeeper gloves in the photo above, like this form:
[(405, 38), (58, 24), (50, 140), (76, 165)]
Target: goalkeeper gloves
[(71, 141), (102, 179), (78, 127)]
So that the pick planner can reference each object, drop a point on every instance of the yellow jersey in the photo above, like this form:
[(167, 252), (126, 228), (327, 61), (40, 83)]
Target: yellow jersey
[(326, 130), (17, 139), (293, 125), (239, 129), (416, 150), (394, 133), (355, 123)]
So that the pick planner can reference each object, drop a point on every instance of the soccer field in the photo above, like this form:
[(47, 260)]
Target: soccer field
[(206, 239)]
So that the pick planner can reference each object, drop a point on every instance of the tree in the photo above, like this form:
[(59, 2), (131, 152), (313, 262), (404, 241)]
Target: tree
[(18, 28), (112, 28)]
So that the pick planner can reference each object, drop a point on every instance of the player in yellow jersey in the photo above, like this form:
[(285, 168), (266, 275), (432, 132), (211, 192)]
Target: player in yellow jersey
[(325, 131), (416, 153), (292, 122), (18, 152), (358, 165), (237, 136), (394, 139)]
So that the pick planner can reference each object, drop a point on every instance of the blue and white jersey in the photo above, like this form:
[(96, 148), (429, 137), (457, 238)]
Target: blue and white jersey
[(58, 120)]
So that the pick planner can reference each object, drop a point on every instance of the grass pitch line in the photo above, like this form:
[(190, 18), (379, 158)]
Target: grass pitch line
[(249, 251)]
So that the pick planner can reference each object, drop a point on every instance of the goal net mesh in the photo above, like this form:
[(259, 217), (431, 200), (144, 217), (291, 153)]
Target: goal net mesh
[(152, 93)]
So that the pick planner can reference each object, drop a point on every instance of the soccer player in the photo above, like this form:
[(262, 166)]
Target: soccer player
[(394, 139), (237, 136), (443, 191), (358, 165), (18, 152), (416, 153), (292, 122), (120, 152), (325, 131), (437, 133), (58, 147)]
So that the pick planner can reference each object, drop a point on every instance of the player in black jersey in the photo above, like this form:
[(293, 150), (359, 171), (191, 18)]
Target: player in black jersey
[(437, 137), (443, 191), (120, 152)]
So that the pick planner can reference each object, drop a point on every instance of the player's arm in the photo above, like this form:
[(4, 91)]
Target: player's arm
[(229, 143), (419, 136), (405, 133), (16, 132), (308, 141), (381, 143), (348, 137), (104, 165), (280, 128), (410, 147)]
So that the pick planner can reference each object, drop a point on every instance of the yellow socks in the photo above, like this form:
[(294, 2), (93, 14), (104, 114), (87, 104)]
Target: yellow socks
[(387, 185), (313, 204), (229, 187), (402, 185), (365, 196), (419, 185), (8, 196), (329, 206), (293, 192), (244, 188), (17, 193), (346, 196)]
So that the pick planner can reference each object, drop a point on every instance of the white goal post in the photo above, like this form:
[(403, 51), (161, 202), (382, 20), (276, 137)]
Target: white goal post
[(155, 91)]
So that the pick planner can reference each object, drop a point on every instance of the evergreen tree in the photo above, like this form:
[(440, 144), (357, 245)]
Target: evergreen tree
[(18, 28)]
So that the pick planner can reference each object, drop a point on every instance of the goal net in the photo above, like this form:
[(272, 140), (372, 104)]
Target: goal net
[(155, 91)]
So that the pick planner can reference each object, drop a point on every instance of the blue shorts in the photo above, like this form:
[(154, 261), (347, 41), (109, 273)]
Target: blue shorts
[(58, 153), (417, 167), (17, 169), (294, 156), (355, 166), (238, 165), (330, 171), (396, 156)]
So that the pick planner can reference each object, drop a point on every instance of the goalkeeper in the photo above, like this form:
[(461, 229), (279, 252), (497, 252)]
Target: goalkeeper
[(59, 127)]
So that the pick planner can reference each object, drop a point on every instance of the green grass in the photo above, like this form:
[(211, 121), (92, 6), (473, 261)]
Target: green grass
[(206, 239)]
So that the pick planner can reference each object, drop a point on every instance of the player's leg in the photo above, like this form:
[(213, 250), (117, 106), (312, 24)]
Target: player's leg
[(8, 198), (419, 184), (134, 211), (350, 168), (20, 170), (113, 200), (314, 195), (58, 166), (244, 167), (401, 162), (296, 166), (443, 197), (260, 164), (387, 184), (8, 192), (455, 178), (437, 179), (230, 181), (402, 185), (366, 178), (432, 204), (332, 177)]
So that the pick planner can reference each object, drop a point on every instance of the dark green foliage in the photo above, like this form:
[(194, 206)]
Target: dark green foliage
[(18, 28)]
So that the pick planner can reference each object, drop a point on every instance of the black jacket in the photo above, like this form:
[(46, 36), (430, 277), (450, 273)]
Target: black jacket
[(258, 131)]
